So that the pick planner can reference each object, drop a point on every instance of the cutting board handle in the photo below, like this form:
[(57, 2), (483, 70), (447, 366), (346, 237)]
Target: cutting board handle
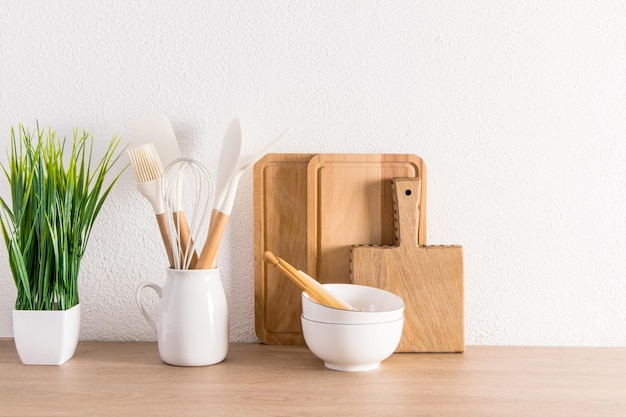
[(406, 199)]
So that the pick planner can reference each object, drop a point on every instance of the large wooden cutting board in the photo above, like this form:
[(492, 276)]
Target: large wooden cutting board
[(280, 225), (350, 203), (309, 210)]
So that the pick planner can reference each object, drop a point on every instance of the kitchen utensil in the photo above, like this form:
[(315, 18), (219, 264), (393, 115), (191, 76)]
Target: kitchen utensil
[(219, 217), (352, 347), (428, 278), (315, 290), (244, 165), (192, 321), (228, 161), (227, 165), (148, 171), (281, 217), (371, 305), (187, 187), (158, 130)]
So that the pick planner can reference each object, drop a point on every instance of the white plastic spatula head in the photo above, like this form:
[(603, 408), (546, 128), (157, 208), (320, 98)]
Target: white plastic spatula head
[(228, 162), (158, 130), (229, 200)]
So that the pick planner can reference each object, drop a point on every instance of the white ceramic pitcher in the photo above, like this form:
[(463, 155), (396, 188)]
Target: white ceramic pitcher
[(192, 322)]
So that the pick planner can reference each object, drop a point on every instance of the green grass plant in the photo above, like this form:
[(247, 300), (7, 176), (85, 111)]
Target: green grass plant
[(57, 192)]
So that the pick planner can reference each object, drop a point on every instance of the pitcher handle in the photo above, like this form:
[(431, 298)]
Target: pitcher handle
[(157, 289)]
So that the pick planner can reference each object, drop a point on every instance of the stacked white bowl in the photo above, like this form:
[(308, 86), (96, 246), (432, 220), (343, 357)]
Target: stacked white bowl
[(353, 340)]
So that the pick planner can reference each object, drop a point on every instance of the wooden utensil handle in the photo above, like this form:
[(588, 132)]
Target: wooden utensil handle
[(208, 256), (314, 283), (306, 283), (165, 235)]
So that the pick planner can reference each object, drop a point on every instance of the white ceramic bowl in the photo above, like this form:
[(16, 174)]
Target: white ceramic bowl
[(352, 347), (375, 305)]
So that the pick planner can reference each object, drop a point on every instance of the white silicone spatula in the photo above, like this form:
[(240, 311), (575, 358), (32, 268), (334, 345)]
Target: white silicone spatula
[(227, 165), (221, 213)]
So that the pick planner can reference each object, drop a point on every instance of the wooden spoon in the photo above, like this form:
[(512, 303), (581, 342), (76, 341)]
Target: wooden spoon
[(316, 291)]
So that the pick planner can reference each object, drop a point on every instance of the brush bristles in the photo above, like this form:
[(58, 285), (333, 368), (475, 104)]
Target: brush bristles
[(146, 163)]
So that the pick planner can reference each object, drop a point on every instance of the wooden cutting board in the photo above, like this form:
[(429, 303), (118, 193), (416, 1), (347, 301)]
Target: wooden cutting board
[(349, 203), (428, 278), (280, 225), (309, 210)]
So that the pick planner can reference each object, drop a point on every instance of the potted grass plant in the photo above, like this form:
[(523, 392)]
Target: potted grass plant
[(56, 193)]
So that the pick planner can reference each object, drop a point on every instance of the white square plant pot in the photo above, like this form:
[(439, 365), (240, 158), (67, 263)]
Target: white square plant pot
[(46, 337)]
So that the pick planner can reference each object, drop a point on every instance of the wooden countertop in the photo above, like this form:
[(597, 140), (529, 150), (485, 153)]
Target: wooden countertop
[(129, 379)]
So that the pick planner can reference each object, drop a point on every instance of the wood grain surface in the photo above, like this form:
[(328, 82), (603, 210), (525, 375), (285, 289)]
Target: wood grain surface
[(428, 278), (280, 226), (350, 203), (309, 209), (128, 379)]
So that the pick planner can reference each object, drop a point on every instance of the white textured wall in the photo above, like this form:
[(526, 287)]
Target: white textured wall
[(518, 109)]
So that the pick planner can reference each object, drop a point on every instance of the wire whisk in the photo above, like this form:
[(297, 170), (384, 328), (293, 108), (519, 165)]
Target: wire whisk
[(187, 190)]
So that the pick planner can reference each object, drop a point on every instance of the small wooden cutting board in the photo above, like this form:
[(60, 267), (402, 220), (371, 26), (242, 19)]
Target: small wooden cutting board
[(428, 278)]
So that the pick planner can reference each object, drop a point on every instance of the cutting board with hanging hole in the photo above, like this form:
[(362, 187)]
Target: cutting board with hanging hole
[(428, 278), (309, 209)]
